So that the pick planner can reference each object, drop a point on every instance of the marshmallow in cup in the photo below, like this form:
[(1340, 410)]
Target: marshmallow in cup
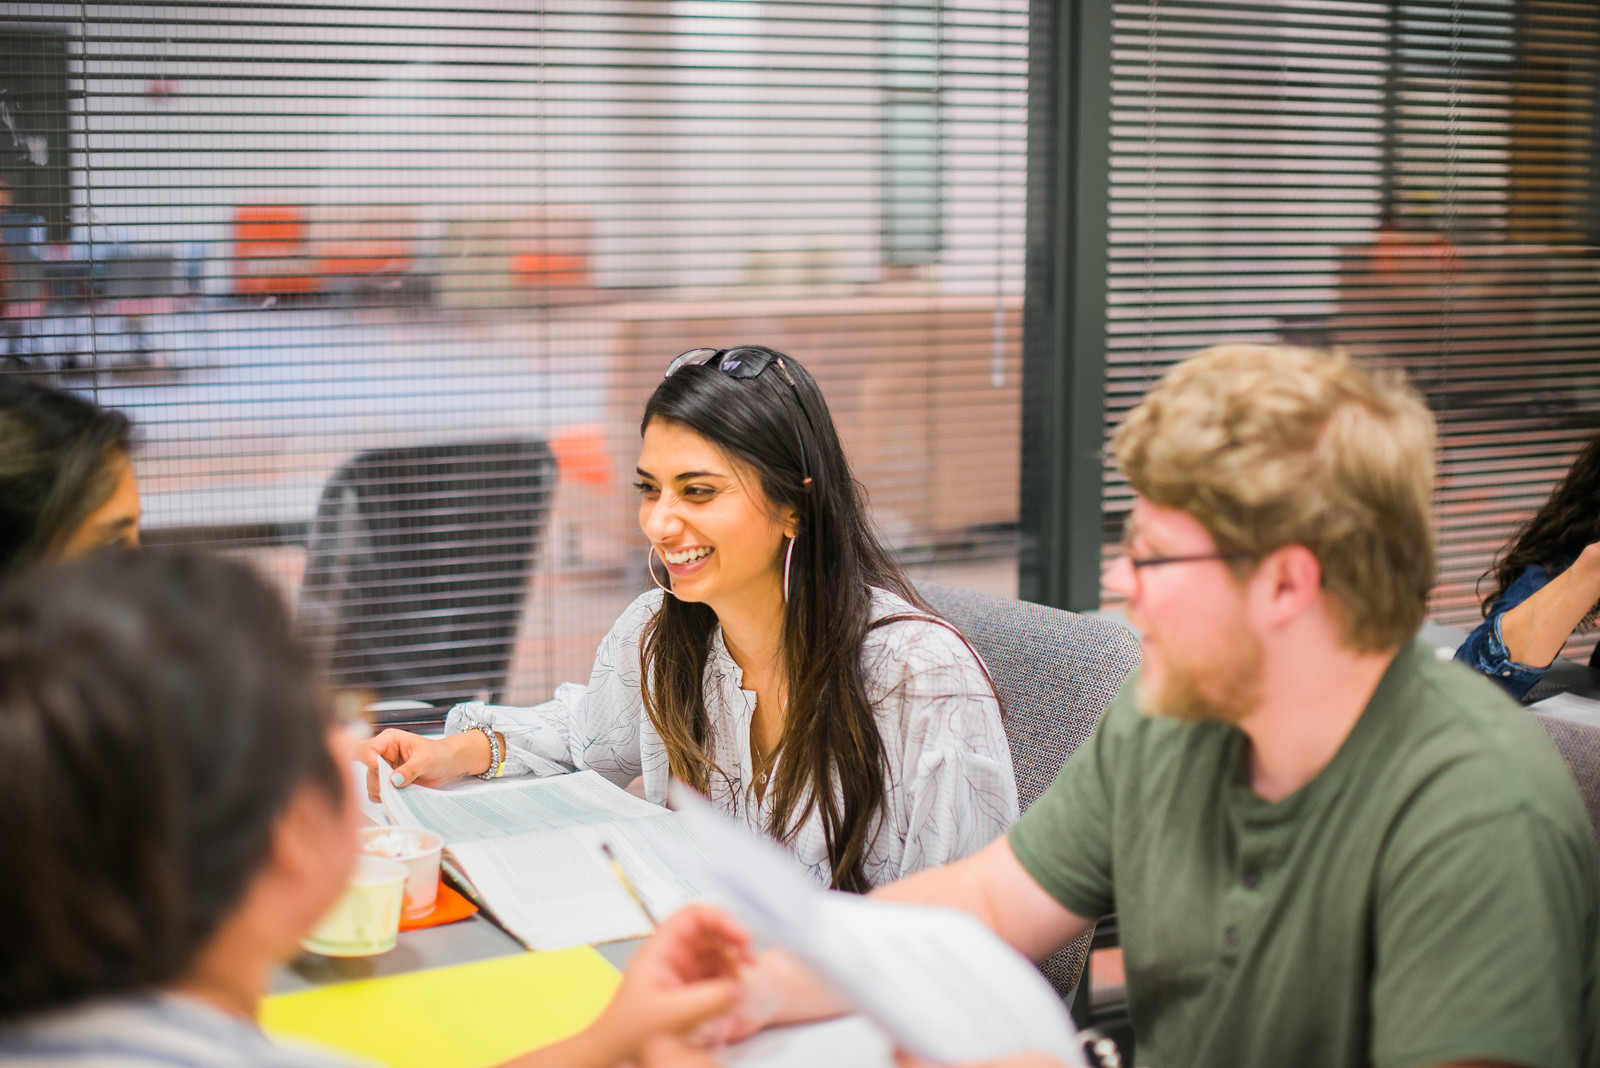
[(418, 850)]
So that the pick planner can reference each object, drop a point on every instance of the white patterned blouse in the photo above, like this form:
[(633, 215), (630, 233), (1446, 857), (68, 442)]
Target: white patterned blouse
[(950, 789)]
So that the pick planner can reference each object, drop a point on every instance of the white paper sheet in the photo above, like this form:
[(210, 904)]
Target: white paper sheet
[(943, 985), (553, 889)]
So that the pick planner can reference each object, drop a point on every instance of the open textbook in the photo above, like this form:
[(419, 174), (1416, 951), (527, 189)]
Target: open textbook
[(938, 981), (529, 852)]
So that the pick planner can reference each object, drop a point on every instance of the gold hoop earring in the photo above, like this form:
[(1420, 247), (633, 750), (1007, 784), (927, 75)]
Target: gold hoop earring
[(650, 567)]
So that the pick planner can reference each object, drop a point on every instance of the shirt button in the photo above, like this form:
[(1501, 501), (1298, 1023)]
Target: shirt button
[(1252, 879), (1231, 937), (1506, 672)]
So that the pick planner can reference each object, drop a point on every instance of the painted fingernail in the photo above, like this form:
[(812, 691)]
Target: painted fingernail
[(398, 779)]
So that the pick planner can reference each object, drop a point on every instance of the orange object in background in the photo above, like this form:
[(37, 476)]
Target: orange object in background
[(535, 269), (1401, 252), (269, 251), (581, 456)]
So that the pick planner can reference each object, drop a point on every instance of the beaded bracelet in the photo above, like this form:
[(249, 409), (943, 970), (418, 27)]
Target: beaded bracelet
[(495, 766)]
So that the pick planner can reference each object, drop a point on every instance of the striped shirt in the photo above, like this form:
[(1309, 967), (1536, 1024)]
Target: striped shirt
[(950, 789)]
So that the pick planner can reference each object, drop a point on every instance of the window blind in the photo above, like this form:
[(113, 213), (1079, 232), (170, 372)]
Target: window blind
[(1411, 180), (316, 248)]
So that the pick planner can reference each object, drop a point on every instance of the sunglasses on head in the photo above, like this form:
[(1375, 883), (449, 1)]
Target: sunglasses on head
[(746, 361)]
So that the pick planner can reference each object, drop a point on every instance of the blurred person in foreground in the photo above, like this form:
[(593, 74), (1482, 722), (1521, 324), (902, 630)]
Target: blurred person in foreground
[(66, 479), (1323, 846), (1546, 584), (178, 815)]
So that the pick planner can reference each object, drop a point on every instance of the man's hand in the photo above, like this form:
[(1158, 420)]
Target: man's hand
[(429, 761)]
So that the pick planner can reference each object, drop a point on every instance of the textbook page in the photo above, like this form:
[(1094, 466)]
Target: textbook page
[(936, 979), (553, 889), (470, 812), (528, 853)]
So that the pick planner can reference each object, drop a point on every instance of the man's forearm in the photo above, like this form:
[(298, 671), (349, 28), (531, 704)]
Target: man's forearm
[(956, 885), (792, 995), (993, 886)]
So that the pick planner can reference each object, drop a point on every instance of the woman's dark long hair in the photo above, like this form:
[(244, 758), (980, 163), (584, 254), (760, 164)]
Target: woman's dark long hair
[(830, 738), (56, 453), (1569, 520)]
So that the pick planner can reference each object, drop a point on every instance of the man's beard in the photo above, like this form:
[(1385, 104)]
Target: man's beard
[(1229, 691)]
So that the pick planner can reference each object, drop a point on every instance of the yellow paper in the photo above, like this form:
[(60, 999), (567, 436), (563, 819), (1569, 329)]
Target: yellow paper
[(465, 1016)]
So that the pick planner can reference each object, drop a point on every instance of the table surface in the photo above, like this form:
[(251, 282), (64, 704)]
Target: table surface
[(461, 942)]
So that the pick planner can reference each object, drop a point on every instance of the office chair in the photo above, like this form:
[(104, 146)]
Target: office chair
[(1578, 741), (1055, 672), (418, 564)]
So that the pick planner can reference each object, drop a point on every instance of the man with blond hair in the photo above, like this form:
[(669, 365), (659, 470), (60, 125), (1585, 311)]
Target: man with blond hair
[(1323, 845)]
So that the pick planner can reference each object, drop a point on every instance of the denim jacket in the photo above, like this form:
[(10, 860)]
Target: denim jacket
[(1485, 648)]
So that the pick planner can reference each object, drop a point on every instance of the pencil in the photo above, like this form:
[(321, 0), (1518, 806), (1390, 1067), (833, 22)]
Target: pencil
[(627, 884)]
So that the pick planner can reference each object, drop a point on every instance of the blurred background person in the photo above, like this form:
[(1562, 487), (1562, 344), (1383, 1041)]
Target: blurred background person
[(1546, 584), (66, 478), (178, 816)]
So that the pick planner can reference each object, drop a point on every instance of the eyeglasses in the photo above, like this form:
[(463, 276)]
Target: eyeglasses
[(1140, 562), (1137, 564), (747, 361)]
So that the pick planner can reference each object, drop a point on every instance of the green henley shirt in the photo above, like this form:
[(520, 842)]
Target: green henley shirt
[(1429, 896)]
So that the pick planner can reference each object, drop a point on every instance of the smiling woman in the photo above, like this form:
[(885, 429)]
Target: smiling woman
[(785, 667), (66, 482)]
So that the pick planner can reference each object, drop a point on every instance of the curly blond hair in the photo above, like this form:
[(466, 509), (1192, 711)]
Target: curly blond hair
[(1275, 445)]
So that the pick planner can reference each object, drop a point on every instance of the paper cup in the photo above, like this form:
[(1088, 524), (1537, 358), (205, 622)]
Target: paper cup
[(366, 918), (418, 850)]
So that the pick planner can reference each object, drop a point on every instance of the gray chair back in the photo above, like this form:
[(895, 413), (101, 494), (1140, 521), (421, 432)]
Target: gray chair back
[(1579, 744), (418, 563), (1055, 672)]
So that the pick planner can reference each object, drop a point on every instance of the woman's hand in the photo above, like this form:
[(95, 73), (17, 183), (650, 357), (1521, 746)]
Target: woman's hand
[(429, 761), (778, 989), (670, 1051), (1015, 1060), (686, 974)]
